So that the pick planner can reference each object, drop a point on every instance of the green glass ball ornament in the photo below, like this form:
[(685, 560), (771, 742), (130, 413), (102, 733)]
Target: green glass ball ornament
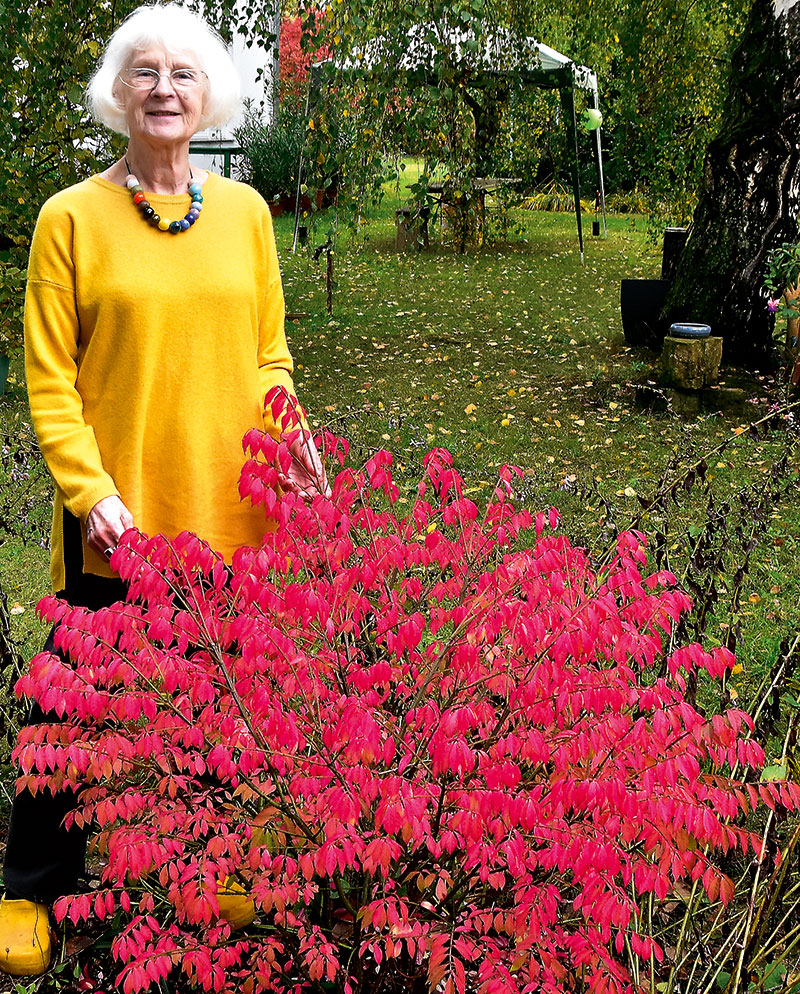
[(591, 119)]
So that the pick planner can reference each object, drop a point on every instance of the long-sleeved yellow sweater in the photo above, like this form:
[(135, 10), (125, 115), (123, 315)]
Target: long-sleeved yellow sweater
[(148, 356)]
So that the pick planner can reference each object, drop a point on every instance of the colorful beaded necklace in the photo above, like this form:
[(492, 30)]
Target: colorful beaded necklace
[(163, 223)]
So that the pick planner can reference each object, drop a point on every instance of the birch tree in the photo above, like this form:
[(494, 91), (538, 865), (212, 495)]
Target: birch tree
[(751, 189)]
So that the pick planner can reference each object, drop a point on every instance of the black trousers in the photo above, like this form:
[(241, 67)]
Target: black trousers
[(43, 859)]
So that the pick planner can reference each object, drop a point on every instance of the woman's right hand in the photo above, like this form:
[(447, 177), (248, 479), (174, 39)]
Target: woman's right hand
[(107, 520)]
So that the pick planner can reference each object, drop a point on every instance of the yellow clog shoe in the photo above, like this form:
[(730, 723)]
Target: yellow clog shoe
[(25, 946)]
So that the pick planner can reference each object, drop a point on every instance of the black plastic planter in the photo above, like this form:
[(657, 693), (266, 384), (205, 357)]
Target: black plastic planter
[(641, 302), (674, 241)]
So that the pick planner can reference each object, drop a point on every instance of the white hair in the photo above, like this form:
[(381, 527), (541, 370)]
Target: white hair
[(178, 30)]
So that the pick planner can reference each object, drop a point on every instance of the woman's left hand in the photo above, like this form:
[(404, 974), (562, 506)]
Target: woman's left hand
[(306, 474)]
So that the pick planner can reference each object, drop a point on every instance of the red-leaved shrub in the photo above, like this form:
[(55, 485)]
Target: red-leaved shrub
[(296, 59), (440, 749)]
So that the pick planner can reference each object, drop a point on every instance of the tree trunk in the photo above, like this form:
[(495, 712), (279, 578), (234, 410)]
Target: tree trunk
[(751, 189), (488, 110)]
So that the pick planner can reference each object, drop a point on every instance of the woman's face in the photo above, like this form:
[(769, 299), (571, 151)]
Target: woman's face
[(166, 114)]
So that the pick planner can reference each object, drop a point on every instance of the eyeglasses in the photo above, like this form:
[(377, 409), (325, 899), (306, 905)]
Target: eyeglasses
[(147, 79)]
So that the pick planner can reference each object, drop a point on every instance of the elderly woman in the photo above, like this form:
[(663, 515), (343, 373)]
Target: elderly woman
[(154, 329)]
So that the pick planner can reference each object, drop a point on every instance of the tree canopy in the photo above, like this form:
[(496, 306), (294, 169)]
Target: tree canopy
[(663, 69), (662, 65)]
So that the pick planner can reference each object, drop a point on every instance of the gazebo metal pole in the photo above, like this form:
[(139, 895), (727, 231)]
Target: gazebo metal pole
[(568, 101), (599, 156), (300, 175)]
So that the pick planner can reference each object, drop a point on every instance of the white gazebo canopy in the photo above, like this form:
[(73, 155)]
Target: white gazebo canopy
[(499, 53)]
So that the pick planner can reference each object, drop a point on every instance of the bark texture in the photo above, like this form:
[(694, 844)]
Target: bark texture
[(751, 190), (488, 109)]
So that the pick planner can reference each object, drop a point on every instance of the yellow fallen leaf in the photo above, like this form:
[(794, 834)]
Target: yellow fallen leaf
[(754, 598), (470, 408)]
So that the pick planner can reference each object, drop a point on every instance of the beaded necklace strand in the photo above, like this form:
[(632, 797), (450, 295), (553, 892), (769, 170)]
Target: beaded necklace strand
[(163, 223)]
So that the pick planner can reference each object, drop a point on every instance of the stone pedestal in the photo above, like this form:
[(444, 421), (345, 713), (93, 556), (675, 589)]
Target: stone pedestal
[(691, 363)]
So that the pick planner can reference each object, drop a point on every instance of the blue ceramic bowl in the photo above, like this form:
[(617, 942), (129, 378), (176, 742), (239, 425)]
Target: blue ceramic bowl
[(685, 329)]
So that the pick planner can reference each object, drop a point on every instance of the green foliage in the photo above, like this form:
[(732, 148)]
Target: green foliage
[(389, 105), (551, 196), (627, 202), (46, 54), (783, 270), (662, 71), (533, 146), (12, 298), (272, 152)]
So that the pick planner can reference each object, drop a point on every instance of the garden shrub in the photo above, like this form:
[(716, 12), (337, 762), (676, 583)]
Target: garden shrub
[(272, 152), (12, 299), (440, 748), (554, 196)]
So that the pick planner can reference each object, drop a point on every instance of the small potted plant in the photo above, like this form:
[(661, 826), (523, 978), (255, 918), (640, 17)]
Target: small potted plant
[(782, 282), (12, 298)]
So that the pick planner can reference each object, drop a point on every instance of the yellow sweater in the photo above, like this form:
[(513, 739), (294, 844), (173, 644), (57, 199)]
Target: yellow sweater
[(148, 356)]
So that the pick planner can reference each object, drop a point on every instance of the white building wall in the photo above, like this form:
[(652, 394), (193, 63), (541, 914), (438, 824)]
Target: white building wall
[(258, 92)]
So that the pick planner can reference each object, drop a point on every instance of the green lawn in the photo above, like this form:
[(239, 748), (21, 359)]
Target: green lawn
[(514, 353)]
